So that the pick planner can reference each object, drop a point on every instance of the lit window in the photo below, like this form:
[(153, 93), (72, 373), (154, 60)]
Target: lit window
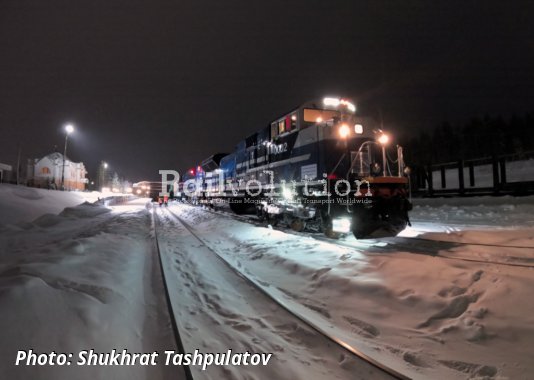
[(45, 170), (281, 127), (317, 116), (293, 121)]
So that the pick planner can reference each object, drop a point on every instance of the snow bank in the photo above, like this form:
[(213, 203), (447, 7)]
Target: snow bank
[(77, 281), (24, 204)]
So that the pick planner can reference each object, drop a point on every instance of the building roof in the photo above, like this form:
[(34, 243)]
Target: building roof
[(5, 167), (56, 156)]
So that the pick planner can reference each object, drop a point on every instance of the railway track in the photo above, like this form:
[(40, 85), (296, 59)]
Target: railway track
[(350, 349), (423, 246), (436, 250), (174, 323), (472, 243)]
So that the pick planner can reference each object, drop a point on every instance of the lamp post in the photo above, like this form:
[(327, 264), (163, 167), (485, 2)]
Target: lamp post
[(102, 179), (68, 129)]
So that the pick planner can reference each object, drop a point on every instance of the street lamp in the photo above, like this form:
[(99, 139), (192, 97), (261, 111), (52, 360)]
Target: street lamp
[(68, 129), (102, 175)]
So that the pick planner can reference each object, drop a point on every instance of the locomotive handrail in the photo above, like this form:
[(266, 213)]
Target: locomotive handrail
[(357, 153)]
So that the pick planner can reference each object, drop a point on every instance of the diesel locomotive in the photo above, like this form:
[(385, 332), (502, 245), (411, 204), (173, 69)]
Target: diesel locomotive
[(318, 167)]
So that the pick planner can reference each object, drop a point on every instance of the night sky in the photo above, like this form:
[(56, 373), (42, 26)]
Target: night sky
[(163, 84)]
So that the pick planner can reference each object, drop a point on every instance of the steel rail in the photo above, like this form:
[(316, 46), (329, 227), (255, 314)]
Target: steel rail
[(338, 341), (174, 322)]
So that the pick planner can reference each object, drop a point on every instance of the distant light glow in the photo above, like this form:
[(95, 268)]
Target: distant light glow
[(358, 128), (344, 131), (319, 119), (69, 129), (293, 117)]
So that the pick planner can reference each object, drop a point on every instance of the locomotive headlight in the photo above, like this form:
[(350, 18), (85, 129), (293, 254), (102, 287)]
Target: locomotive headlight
[(342, 225), (383, 139), (344, 131)]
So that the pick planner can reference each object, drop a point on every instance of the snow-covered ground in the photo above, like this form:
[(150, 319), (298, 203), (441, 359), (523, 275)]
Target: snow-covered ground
[(425, 316), (77, 281), (89, 278), (218, 310)]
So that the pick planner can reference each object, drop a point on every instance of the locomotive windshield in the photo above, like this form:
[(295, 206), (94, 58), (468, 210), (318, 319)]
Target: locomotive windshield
[(313, 116), (317, 116)]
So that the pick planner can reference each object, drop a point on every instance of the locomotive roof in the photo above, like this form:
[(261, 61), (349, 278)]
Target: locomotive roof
[(316, 103), (215, 158)]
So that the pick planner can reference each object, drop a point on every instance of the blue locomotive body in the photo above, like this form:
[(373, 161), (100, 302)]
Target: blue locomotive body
[(319, 166)]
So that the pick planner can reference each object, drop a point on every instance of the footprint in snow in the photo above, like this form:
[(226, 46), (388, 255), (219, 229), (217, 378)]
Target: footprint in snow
[(452, 291), (415, 360), (456, 307), (472, 369), (477, 275), (364, 327), (320, 273), (239, 326)]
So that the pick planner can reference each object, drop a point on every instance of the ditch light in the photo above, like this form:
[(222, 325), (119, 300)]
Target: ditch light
[(342, 225)]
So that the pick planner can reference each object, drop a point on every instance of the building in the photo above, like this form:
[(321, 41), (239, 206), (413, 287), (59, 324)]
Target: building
[(47, 173), (5, 173)]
